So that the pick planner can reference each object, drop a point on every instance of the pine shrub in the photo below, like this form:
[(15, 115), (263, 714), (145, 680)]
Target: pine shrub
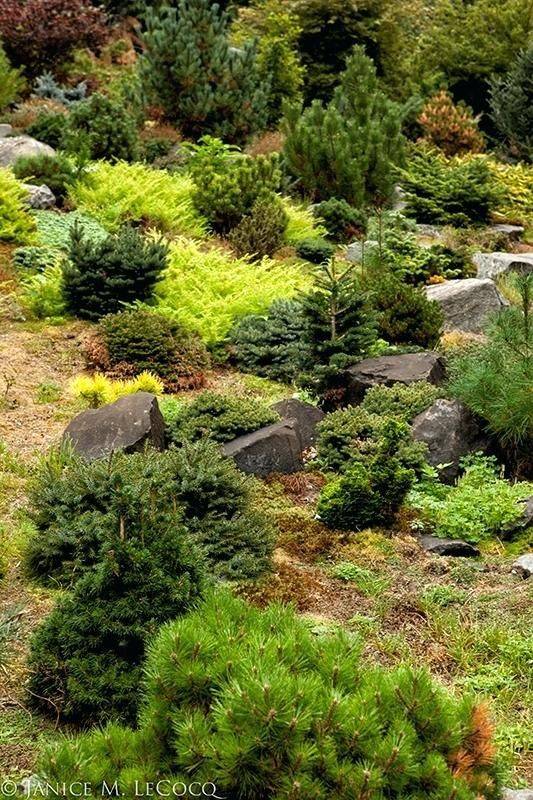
[(104, 127), (261, 232), (49, 127), (405, 315), (452, 128), (55, 171), (348, 149), (138, 340), (403, 401), (270, 345), (512, 105), (343, 222), (203, 83), (11, 81), (316, 250), (40, 34), (219, 417), (75, 506), (278, 61), (262, 707), (101, 276)]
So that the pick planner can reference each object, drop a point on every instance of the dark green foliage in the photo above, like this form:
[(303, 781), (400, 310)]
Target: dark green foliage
[(258, 704), (55, 171), (203, 84), (343, 222), (75, 506), (85, 659), (512, 105), (34, 258), (271, 346), (339, 329), (49, 127), (455, 192), (260, 233), (105, 127), (405, 315), (494, 378), (48, 88), (358, 434), (348, 149), (399, 400), (101, 276), (219, 417), (228, 184), (316, 250), (144, 340)]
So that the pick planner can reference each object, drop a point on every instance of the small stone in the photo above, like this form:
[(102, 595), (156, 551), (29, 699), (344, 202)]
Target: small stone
[(448, 547), (492, 265), (523, 566), (276, 448), (466, 304), (5, 130), (39, 196)]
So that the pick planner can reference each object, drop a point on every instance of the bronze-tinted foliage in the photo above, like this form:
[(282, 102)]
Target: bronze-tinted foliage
[(452, 128)]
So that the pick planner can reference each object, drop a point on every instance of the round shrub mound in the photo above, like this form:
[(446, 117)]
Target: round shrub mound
[(263, 708)]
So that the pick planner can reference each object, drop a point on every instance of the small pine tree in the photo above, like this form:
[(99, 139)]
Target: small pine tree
[(348, 149), (103, 127), (260, 233), (512, 105), (101, 276), (203, 84), (452, 128), (339, 328)]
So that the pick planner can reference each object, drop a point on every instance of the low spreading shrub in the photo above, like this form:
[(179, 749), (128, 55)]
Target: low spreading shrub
[(73, 505), (42, 294), (104, 128), (449, 192), (49, 127), (343, 222), (133, 341), (208, 290), (16, 225), (301, 223), (101, 276), (118, 193), (55, 171), (516, 181), (261, 232), (401, 401), (97, 390), (270, 345), (218, 417), (55, 230), (405, 315), (40, 34), (316, 250), (452, 128), (261, 706), (480, 506)]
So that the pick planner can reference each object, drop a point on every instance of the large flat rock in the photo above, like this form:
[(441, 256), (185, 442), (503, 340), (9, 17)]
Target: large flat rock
[(467, 304), (491, 265), (128, 424), (388, 370)]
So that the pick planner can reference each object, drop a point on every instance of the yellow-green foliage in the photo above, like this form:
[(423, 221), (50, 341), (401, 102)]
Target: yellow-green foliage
[(15, 224), (301, 224), (115, 193), (206, 290), (517, 180), (97, 390)]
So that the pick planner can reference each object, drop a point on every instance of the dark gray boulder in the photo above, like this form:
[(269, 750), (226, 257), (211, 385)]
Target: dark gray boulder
[(450, 431), (14, 147), (466, 304), (128, 424), (388, 370), (307, 418), (448, 547), (276, 448)]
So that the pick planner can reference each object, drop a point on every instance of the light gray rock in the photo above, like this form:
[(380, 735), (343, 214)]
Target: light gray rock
[(39, 196), (307, 418), (14, 147), (517, 794), (523, 521), (492, 265), (466, 304), (523, 566), (276, 448), (448, 547), (424, 231), (5, 130), (513, 232), (128, 424), (388, 370), (355, 252), (450, 431)]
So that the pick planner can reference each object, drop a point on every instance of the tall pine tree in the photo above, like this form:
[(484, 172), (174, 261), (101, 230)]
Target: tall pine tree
[(203, 84), (512, 105)]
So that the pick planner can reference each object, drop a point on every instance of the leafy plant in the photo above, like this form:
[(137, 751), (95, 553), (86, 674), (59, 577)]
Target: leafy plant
[(230, 678), (16, 225), (97, 390), (261, 232), (101, 276), (270, 345), (343, 222), (55, 171), (11, 81), (118, 193), (202, 83), (209, 290), (39, 34), (42, 294), (452, 128), (349, 148), (511, 103), (104, 127), (218, 417), (55, 230), (366, 581), (315, 250)]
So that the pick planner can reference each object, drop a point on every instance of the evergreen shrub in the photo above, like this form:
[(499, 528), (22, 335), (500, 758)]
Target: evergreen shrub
[(104, 127), (261, 232), (404, 314), (49, 127), (55, 171), (264, 708), (101, 276), (343, 222), (16, 225), (400, 400), (11, 81), (452, 128), (316, 250), (511, 104)]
